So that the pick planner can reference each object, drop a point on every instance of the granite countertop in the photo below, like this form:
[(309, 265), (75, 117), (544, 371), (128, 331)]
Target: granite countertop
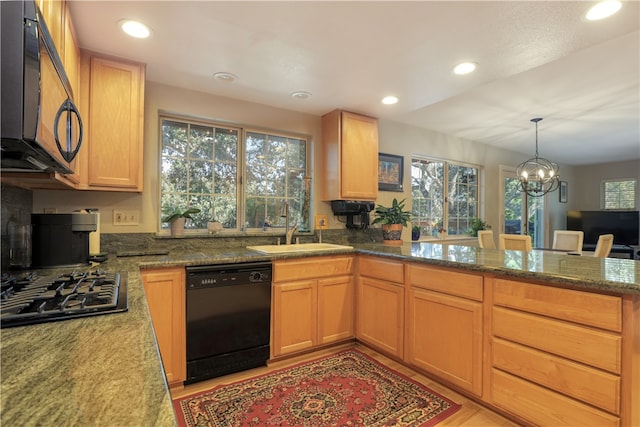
[(587, 272), (95, 371), (106, 370)]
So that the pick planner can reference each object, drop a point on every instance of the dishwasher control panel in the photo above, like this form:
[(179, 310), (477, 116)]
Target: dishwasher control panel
[(228, 275)]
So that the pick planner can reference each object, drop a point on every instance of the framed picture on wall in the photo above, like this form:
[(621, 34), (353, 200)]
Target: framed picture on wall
[(563, 192), (390, 168)]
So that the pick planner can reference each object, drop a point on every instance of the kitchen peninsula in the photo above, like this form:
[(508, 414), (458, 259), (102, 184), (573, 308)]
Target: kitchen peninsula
[(517, 309)]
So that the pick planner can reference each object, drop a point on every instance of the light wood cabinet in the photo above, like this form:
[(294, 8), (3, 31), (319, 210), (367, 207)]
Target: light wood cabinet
[(53, 12), (295, 317), (112, 94), (165, 292), (336, 306), (350, 156), (71, 58), (313, 303), (380, 304), (444, 325), (560, 349)]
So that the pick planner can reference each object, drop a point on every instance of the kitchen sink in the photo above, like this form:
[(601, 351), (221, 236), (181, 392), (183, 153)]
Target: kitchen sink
[(302, 247)]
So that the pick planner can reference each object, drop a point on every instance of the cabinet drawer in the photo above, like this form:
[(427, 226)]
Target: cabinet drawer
[(596, 348), (544, 407), (383, 269), (312, 268), (589, 385), (600, 311), (448, 282)]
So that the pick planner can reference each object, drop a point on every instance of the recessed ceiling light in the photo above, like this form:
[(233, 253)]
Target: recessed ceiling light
[(389, 100), (300, 94), (135, 29), (604, 9), (225, 77), (465, 68)]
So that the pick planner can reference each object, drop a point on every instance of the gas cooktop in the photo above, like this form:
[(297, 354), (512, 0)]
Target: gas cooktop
[(32, 299)]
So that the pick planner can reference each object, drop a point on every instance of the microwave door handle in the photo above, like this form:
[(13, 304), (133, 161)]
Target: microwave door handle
[(71, 110)]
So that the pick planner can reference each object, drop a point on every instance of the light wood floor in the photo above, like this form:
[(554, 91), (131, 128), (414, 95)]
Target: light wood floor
[(470, 414)]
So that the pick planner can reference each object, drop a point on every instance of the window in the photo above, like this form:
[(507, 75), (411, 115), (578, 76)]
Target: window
[(443, 193), (619, 194), (237, 177)]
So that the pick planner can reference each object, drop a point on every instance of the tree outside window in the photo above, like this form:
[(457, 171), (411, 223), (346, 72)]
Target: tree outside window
[(619, 194), (444, 196), (202, 166)]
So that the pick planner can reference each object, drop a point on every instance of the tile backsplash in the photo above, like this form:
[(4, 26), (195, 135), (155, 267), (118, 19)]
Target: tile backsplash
[(17, 205)]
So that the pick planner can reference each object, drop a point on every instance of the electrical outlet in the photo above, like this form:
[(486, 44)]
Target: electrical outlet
[(126, 217)]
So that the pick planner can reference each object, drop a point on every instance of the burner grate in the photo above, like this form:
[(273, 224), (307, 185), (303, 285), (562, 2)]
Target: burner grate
[(76, 294)]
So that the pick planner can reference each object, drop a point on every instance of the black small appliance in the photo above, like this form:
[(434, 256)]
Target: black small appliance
[(61, 240), (351, 208)]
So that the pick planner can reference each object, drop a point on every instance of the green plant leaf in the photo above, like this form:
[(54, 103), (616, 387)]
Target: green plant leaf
[(392, 215), (173, 213)]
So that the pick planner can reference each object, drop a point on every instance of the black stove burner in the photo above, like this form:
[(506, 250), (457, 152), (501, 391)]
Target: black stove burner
[(32, 299)]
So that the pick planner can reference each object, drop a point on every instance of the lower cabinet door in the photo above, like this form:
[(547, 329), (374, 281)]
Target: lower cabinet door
[(445, 337), (336, 297), (380, 313), (165, 292), (294, 316)]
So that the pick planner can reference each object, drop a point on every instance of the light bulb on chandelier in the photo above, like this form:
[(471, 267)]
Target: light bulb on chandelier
[(538, 176)]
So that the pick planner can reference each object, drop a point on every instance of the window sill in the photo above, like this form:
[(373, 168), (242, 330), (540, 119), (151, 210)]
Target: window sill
[(431, 239), (206, 235)]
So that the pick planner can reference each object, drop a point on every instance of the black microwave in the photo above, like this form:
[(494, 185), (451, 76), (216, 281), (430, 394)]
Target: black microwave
[(41, 126)]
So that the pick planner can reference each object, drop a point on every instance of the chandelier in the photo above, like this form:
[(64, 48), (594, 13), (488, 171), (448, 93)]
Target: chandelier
[(538, 176)]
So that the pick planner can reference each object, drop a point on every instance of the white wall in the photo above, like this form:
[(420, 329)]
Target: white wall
[(400, 139), (395, 138), (587, 194)]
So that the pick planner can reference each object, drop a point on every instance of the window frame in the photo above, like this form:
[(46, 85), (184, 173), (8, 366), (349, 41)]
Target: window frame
[(446, 198), (243, 130), (603, 193)]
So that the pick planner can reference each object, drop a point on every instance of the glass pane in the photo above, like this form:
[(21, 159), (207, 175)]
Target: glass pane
[(200, 177), (275, 170), (427, 192), (462, 196), (224, 211), (174, 138), (535, 210), (224, 178), (226, 145), (191, 176), (201, 142), (512, 206)]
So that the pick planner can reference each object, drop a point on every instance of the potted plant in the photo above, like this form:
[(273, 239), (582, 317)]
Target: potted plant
[(476, 225), (415, 232), (392, 219), (176, 218), (213, 226)]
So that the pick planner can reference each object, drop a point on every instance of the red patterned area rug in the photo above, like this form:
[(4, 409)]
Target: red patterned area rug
[(345, 389)]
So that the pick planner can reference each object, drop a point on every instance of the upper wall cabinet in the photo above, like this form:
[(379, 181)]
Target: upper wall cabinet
[(112, 104), (71, 56), (53, 12), (350, 156)]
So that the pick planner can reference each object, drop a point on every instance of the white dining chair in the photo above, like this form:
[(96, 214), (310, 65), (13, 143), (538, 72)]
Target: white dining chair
[(485, 239), (515, 242), (568, 240), (604, 245)]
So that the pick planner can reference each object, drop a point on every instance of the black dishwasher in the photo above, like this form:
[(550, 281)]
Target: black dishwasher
[(228, 318)]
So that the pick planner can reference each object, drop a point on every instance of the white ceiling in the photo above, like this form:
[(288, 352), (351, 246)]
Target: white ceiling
[(536, 59)]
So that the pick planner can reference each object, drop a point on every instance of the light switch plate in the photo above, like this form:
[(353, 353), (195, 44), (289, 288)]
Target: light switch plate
[(321, 222), (126, 217)]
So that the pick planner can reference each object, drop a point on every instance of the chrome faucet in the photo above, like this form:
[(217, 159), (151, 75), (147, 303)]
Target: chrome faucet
[(284, 212)]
